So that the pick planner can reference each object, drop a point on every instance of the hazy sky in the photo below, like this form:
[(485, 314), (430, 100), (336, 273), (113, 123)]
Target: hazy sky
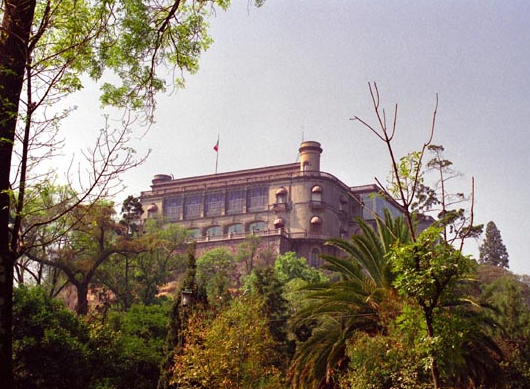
[(295, 69)]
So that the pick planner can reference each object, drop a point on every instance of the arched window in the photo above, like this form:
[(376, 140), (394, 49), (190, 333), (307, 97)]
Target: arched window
[(235, 229), (281, 196), (315, 226), (343, 203), (152, 209), (305, 166), (194, 232), (314, 259), (258, 226), (316, 194), (213, 231)]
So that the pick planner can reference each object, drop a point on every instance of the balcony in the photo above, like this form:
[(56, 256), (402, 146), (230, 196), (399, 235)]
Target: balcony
[(316, 204), (280, 207)]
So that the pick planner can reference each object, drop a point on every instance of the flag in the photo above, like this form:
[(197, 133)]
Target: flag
[(216, 147)]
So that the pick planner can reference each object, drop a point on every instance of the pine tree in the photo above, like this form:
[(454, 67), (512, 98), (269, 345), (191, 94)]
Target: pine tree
[(492, 250)]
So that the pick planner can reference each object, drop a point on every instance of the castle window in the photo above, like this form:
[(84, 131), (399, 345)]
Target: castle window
[(235, 201), (192, 206), (194, 232), (214, 231), (258, 226), (281, 196), (343, 203), (235, 229), (316, 194), (214, 204), (173, 208), (257, 198), (314, 259), (315, 225), (305, 166)]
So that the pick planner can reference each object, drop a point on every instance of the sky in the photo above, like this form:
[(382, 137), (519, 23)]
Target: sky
[(296, 70)]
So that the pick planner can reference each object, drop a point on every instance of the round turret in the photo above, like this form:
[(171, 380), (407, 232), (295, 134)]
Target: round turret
[(310, 156), (159, 178)]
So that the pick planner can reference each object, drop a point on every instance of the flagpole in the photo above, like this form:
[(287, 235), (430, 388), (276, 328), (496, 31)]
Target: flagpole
[(217, 154)]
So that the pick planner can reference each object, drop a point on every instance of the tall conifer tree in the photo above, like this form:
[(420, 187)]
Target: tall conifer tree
[(492, 250)]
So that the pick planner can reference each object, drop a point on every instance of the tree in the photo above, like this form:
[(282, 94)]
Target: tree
[(51, 345), (290, 267), (492, 251), (131, 211), (246, 252), (45, 47), (140, 338), (434, 275), (363, 300), (137, 274), (178, 322), (215, 275), (91, 239), (410, 191), (233, 350), (510, 297), (267, 287)]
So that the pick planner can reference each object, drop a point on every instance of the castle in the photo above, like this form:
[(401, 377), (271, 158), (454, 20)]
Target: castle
[(292, 207)]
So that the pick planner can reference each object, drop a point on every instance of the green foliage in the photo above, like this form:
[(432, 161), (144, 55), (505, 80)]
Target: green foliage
[(456, 342), (215, 270), (54, 348), (428, 268), (233, 350), (246, 252), (129, 40), (511, 299), (289, 267), (140, 339), (408, 180), (363, 300), (178, 319), (50, 344), (151, 260), (492, 250), (267, 287), (383, 362), (131, 211)]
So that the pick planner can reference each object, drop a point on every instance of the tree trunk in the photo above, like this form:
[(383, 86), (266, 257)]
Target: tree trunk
[(435, 372), (82, 298), (16, 27)]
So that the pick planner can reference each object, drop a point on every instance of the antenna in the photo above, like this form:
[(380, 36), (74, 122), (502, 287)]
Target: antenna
[(298, 154)]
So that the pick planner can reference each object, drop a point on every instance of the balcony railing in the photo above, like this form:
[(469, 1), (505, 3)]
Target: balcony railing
[(273, 232)]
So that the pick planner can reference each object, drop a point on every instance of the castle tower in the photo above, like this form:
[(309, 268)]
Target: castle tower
[(310, 156)]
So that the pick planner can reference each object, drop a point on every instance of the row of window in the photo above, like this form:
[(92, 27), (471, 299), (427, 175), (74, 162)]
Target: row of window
[(315, 227), (231, 202), (213, 204), (235, 228)]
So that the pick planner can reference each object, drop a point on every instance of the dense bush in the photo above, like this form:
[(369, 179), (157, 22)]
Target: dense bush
[(50, 343)]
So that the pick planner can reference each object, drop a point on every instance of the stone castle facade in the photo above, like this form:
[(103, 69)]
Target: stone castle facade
[(292, 207)]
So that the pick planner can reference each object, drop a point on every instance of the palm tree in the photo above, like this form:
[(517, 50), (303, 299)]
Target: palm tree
[(364, 299), (360, 301)]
